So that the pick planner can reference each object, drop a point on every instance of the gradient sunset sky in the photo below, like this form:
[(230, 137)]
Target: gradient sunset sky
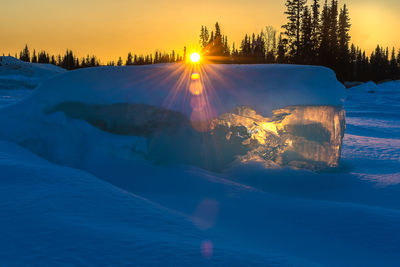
[(112, 28)]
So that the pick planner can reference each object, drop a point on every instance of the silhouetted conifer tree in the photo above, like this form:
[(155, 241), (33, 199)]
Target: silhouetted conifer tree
[(184, 53), (393, 64), (294, 10), (343, 65), (216, 48), (306, 46), (25, 54), (315, 24), (34, 57), (324, 35), (172, 56), (282, 44), (398, 62), (333, 33), (129, 59), (119, 63), (204, 36)]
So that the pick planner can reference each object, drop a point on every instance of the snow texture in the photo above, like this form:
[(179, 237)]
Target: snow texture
[(16, 74), (262, 87), (98, 202)]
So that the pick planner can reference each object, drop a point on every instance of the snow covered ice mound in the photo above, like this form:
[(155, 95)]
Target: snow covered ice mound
[(277, 114)]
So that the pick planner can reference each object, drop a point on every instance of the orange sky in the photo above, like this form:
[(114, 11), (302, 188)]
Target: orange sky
[(112, 28)]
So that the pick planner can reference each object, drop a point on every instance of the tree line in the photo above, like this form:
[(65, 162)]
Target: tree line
[(70, 61), (67, 61), (312, 35), (158, 57)]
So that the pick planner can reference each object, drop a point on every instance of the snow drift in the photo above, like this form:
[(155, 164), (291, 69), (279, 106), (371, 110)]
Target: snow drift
[(16, 74)]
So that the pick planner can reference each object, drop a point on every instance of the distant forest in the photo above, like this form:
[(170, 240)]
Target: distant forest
[(312, 35)]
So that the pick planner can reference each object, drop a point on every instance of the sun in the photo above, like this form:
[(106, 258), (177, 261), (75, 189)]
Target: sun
[(195, 57)]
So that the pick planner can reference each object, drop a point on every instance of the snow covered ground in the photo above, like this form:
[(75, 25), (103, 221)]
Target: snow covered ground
[(124, 212), (17, 78), (372, 141), (19, 75), (11, 96)]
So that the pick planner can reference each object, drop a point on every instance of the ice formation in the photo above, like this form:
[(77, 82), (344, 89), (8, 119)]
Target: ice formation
[(208, 117)]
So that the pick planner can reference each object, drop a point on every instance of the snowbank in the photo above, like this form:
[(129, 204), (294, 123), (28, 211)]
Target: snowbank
[(365, 87), (16, 74), (390, 87), (372, 87), (158, 104)]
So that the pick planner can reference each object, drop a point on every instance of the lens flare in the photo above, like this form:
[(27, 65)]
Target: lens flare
[(195, 57), (195, 76), (196, 88), (207, 249)]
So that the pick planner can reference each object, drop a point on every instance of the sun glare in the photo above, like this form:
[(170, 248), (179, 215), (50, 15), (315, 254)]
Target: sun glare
[(195, 76), (195, 57)]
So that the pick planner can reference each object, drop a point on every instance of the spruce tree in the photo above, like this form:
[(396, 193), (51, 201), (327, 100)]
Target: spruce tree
[(245, 47), (43, 58), (293, 26), (53, 60), (282, 43), (203, 41), (206, 35), (343, 40), (353, 63), (217, 30), (217, 48), (253, 44), (334, 12), (34, 57), (233, 50), (333, 34), (129, 59), (172, 59), (156, 58), (227, 50), (306, 33), (358, 64), (323, 51), (398, 58), (315, 33), (343, 31), (119, 63), (25, 54), (393, 64)]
